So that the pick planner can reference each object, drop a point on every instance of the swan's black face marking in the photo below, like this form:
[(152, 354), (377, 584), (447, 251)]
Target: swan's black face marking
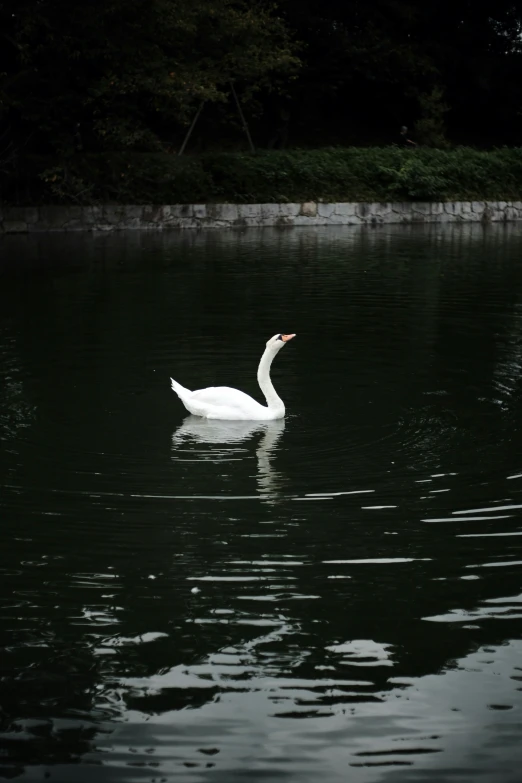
[(283, 337)]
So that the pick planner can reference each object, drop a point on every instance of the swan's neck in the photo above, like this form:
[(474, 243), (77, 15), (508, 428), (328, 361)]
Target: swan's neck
[(273, 400)]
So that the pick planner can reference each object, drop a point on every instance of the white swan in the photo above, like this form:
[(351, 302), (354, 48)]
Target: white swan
[(222, 402)]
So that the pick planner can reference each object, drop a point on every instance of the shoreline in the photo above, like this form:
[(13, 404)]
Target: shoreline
[(24, 220)]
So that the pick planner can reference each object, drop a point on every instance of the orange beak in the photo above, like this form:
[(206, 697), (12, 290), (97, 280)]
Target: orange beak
[(286, 337)]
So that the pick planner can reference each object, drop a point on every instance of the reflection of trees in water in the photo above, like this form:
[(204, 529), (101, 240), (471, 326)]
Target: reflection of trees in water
[(508, 365), (55, 253), (50, 708), (199, 265), (16, 412)]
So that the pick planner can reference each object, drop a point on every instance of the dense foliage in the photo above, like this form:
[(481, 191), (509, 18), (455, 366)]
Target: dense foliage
[(117, 74), (330, 174), (96, 83), (445, 68)]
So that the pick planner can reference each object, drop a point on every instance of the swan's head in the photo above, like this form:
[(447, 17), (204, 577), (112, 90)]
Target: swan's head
[(278, 340)]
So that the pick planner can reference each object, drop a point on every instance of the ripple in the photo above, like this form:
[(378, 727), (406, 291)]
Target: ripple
[(379, 560), (467, 519), (495, 609), (497, 564), (363, 652), (355, 634)]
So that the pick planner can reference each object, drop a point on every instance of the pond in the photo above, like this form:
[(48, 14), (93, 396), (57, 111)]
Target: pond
[(336, 595)]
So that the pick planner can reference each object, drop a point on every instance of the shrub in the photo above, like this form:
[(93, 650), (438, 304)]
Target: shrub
[(332, 174)]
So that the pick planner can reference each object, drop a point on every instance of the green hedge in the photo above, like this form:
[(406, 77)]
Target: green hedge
[(334, 174)]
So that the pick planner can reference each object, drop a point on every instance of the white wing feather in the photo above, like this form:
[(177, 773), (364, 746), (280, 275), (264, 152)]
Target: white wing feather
[(220, 402), (223, 395)]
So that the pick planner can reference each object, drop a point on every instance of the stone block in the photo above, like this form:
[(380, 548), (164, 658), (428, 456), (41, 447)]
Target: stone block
[(284, 220), (405, 215), (166, 216), (401, 207), (362, 210), (187, 222), (289, 210), (179, 210), (379, 210), (132, 224), (511, 213), (199, 211), (308, 209), (20, 214), (153, 213), (32, 215), (248, 210), (496, 212), (269, 214), (73, 225), (492, 215), (325, 210), (91, 216), (228, 213), (114, 215), (254, 221), (304, 220), (345, 209), (73, 218), (422, 208), (487, 213), (347, 219), (134, 211), (51, 218), (15, 227)]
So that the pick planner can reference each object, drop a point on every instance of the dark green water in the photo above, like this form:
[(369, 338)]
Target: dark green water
[(337, 596)]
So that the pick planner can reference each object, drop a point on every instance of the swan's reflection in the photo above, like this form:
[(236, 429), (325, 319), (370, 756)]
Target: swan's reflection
[(229, 433)]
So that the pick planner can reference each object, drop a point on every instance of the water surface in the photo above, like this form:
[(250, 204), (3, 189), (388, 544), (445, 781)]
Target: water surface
[(338, 594)]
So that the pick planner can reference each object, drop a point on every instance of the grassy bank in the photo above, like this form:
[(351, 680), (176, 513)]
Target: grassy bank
[(336, 174)]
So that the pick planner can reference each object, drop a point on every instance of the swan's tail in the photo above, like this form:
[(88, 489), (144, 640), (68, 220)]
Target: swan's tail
[(179, 389)]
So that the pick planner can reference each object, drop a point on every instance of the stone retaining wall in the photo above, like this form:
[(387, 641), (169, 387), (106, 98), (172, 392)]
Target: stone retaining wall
[(113, 217)]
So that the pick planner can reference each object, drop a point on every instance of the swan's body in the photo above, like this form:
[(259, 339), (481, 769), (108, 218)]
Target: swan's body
[(223, 402)]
